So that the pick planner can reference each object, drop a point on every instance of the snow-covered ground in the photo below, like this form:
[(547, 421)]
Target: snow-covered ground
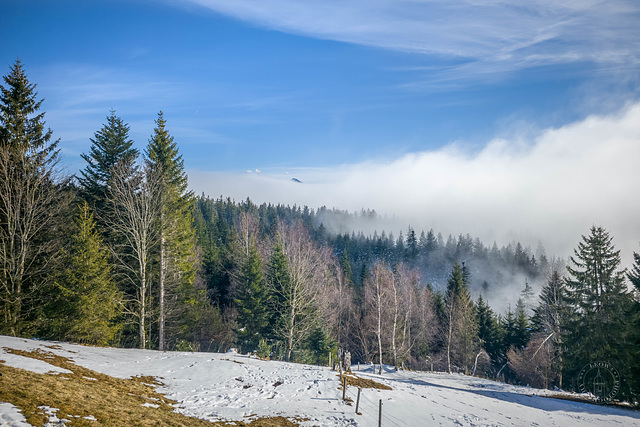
[(229, 386)]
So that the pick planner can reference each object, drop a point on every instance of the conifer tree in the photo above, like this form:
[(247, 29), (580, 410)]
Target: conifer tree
[(278, 280), (252, 302), (489, 332), (599, 304), (88, 301), (412, 244), (634, 274), (462, 328), (522, 327), (109, 146), (30, 201), (634, 329), (175, 222)]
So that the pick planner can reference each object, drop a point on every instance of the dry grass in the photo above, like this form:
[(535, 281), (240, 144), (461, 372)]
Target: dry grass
[(355, 381), (111, 401)]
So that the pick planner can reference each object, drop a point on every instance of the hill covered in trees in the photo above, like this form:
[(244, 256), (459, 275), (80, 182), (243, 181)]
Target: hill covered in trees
[(145, 263)]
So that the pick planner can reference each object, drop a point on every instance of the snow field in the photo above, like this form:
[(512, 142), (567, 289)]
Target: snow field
[(215, 386)]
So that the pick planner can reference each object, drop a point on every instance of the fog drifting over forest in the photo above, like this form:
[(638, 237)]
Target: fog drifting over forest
[(551, 187)]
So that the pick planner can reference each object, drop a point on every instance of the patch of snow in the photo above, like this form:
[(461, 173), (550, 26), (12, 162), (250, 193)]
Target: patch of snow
[(10, 416), (150, 405), (22, 362)]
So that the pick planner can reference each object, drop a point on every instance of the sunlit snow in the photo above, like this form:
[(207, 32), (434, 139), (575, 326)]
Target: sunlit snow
[(230, 386)]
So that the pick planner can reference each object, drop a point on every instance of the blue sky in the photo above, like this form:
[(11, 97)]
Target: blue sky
[(340, 93)]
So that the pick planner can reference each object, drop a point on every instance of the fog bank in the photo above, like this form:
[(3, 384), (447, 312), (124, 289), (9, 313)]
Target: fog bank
[(551, 187)]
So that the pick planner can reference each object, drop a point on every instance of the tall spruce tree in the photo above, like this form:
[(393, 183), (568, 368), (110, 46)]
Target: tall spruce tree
[(252, 302), (30, 201), (176, 235), (489, 331), (278, 280), (522, 326), (89, 302), (462, 328), (634, 330), (599, 303), (109, 146), (634, 274)]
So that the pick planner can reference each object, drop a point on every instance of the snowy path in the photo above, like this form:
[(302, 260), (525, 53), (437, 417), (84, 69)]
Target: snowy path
[(228, 386)]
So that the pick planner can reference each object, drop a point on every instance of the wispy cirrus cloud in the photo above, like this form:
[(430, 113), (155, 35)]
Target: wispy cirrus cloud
[(494, 35)]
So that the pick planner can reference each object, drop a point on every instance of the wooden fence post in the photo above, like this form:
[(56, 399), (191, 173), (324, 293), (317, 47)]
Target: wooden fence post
[(344, 387), (380, 414), (358, 402)]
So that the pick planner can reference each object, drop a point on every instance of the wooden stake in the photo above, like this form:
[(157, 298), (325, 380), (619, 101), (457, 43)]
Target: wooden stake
[(344, 387), (358, 402), (380, 414)]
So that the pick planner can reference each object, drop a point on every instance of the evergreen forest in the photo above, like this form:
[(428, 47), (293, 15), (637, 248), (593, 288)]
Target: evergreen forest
[(124, 254)]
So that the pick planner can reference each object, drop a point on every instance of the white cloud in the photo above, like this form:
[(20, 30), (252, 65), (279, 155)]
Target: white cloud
[(502, 35), (552, 188)]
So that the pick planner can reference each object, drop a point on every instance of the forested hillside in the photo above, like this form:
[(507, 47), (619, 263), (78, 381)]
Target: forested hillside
[(145, 263)]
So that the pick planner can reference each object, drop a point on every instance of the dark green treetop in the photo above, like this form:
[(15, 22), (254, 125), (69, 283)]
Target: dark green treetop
[(20, 124), (110, 146)]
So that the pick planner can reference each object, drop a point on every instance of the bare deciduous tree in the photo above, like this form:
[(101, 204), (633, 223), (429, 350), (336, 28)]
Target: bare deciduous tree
[(134, 209), (29, 204), (378, 286), (299, 296)]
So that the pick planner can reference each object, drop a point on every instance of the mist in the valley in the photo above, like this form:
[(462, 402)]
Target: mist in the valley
[(545, 190)]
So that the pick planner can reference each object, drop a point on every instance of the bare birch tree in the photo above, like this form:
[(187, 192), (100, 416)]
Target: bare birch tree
[(298, 296), (377, 288), (134, 208)]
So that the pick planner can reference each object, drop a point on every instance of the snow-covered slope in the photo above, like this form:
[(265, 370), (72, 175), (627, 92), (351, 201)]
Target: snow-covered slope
[(229, 386)]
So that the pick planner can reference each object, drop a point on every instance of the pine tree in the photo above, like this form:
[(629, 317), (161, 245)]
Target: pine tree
[(634, 274), (175, 222), (527, 295), (88, 302), (30, 201), (462, 328), (278, 280), (412, 244), (521, 328), (634, 329), (489, 332), (111, 145), (599, 304), (252, 302), (20, 125)]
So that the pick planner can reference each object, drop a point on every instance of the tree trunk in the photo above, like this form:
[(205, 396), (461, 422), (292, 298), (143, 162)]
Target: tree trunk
[(143, 305), (379, 326), (163, 273), (449, 337)]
